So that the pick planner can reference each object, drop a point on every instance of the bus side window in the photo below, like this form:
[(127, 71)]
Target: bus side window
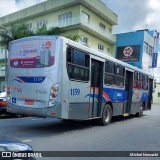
[(119, 79), (145, 82), (140, 81), (77, 65), (135, 82), (109, 73)]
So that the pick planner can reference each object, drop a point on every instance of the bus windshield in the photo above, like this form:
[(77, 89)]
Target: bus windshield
[(32, 53)]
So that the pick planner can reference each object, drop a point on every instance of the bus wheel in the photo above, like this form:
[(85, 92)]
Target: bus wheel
[(106, 115), (140, 113)]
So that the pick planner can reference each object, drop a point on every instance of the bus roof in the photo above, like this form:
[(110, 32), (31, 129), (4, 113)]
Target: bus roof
[(89, 50)]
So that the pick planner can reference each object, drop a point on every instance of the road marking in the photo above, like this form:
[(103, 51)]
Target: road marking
[(155, 114), (27, 140), (134, 118), (71, 132), (117, 122), (36, 119)]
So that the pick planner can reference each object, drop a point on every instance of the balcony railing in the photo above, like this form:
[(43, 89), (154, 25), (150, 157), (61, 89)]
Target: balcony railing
[(87, 24)]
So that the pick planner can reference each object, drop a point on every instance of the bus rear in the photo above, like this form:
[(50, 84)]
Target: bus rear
[(32, 75)]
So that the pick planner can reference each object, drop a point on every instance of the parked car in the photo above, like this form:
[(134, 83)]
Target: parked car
[(3, 105), (10, 147)]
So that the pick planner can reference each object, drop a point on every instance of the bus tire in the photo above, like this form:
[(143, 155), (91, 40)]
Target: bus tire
[(140, 113), (106, 115)]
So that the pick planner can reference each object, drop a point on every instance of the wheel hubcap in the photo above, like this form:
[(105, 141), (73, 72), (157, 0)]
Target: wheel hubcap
[(106, 115)]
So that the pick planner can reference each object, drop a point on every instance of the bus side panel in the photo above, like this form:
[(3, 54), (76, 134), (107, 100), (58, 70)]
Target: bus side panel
[(79, 100), (117, 96), (118, 108), (139, 99), (64, 81)]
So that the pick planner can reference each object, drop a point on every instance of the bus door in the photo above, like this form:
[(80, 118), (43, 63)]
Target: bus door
[(96, 88), (129, 89), (150, 89)]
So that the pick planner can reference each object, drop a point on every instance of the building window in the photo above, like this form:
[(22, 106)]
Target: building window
[(110, 30), (145, 82), (78, 65), (158, 94), (150, 50), (140, 80), (108, 50), (65, 16), (85, 17), (135, 81), (84, 40), (102, 26), (41, 23), (145, 47), (29, 26), (100, 47)]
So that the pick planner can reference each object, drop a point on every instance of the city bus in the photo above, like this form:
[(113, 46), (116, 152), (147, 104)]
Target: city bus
[(52, 76)]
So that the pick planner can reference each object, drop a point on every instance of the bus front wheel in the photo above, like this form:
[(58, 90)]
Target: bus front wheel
[(106, 115)]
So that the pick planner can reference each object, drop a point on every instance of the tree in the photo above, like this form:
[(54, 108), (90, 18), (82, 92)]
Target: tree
[(15, 32), (74, 38), (21, 30)]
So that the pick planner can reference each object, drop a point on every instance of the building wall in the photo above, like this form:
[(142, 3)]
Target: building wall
[(138, 38), (50, 12), (146, 58), (156, 94), (132, 38)]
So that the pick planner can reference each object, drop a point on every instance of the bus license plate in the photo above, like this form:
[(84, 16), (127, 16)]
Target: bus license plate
[(29, 102)]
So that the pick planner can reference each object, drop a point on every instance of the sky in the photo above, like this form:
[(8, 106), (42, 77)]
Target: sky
[(10, 6), (135, 14), (132, 14)]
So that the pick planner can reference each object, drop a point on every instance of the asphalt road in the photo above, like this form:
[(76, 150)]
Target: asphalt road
[(123, 134)]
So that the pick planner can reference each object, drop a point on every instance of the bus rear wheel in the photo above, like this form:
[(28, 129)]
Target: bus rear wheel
[(106, 115)]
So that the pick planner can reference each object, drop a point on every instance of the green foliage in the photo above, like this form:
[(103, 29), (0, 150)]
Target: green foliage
[(74, 38), (41, 31), (54, 31), (5, 39), (20, 31)]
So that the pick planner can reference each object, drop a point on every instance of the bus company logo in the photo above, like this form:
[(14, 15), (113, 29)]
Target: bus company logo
[(119, 94), (128, 51)]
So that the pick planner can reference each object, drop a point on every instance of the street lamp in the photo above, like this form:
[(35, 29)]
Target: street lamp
[(5, 52)]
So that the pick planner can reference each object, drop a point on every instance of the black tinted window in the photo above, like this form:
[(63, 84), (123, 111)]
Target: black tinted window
[(78, 65)]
